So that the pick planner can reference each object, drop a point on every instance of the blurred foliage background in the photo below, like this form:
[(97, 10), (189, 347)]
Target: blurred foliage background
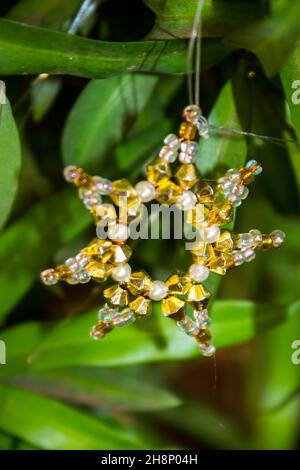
[(116, 87)]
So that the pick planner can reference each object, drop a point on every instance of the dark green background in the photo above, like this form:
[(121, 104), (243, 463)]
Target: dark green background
[(115, 89)]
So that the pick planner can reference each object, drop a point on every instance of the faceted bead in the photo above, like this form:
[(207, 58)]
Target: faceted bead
[(198, 293), (158, 171), (173, 306), (121, 190), (196, 215), (168, 192), (202, 319), (125, 317), (220, 264), (100, 330), (92, 249), (178, 284), (188, 326), (225, 242), (72, 264), (205, 194), (204, 335), (188, 131), (187, 176), (139, 282), (120, 253), (238, 258), (106, 312), (116, 295), (141, 306), (105, 250), (97, 270), (106, 213)]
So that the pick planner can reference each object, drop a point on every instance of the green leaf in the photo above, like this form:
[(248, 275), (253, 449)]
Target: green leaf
[(55, 426), (100, 116), (56, 14), (94, 387), (175, 18), (219, 151), (10, 158), (43, 94), (37, 346), (271, 39), (43, 229), (205, 424), (74, 55)]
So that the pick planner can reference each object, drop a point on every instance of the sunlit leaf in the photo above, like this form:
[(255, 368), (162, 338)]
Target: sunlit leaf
[(53, 425), (10, 157)]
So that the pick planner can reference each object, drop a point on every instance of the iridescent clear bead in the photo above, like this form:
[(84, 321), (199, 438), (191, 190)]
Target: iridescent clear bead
[(71, 173), (72, 264), (192, 113), (256, 236), (103, 185), (202, 319), (278, 237), (82, 259), (84, 277), (167, 154), (249, 255), (207, 350), (172, 141), (106, 312), (238, 258), (123, 318), (245, 240), (49, 277), (188, 326)]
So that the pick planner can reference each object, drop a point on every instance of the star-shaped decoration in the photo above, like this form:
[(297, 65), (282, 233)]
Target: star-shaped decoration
[(172, 178)]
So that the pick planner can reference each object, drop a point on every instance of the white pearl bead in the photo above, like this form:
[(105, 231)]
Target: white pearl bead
[(118, 232), (145, 190), (187, 200), (198, 272), (121, 273), (211, 234), (158, 290)]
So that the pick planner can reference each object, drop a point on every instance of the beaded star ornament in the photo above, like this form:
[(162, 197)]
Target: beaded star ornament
[(172, 178)]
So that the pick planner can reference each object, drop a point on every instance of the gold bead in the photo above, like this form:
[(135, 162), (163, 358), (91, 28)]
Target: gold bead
[(198, 293), (98, 271), (168, 192), (178, 284), (158, 171), (116, 295), (225, 242), (187, 175), (173, 306), (139, 283), (141, 306)]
